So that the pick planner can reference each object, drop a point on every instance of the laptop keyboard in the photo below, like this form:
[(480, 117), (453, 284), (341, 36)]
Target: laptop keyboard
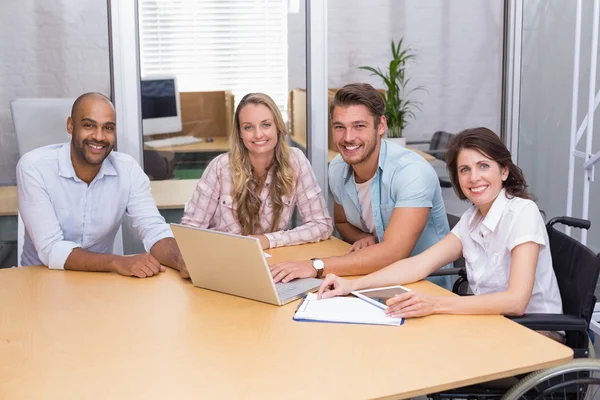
[(285, 288)]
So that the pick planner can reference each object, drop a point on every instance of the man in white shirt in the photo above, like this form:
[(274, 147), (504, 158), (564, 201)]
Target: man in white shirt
[(73, 197)]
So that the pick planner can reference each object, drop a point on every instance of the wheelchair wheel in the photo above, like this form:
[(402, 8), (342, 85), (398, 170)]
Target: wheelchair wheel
[(579, 379)]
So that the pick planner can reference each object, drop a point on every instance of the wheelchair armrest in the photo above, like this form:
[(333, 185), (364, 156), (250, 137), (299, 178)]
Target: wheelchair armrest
[(552, 322), (448, 271)]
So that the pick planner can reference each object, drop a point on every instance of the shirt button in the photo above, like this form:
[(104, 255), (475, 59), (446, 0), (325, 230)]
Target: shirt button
[(223, 201)]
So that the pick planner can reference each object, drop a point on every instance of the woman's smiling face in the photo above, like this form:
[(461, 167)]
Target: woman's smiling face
[(481, 179)]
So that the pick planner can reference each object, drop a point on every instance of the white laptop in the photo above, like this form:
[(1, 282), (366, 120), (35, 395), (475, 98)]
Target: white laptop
[(236, 265)]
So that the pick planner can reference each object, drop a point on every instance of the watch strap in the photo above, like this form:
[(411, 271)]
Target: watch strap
[(319, 270)]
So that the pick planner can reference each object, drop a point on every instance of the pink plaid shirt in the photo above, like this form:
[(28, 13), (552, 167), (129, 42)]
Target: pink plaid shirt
[(212, 205)]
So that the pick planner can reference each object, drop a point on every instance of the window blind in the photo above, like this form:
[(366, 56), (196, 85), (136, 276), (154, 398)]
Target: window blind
[(236, 45)]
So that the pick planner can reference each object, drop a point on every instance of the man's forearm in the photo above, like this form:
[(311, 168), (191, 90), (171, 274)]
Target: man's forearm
[(84, 260), (167, 253), (366, 260), (349, 232)]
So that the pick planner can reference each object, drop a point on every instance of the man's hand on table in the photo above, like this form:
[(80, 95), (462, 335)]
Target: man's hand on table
[(362, 243), (138, 265)]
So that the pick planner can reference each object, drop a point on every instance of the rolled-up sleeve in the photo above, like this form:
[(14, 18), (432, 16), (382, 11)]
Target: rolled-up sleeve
[(318, 224), (141, 208), (40, 220)]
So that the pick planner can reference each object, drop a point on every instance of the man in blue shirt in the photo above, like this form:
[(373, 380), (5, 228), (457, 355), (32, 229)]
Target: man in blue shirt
[(388, 201), (73, 197)]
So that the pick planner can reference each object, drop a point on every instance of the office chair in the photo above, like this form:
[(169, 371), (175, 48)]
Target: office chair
[(40, 122), (438, 145), (576, 268)]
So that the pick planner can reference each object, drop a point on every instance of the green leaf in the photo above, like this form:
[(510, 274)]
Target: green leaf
[(399, 107)]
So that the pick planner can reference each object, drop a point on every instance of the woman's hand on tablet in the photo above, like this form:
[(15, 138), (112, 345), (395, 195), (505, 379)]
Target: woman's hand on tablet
[(411, 304), (333, 286)]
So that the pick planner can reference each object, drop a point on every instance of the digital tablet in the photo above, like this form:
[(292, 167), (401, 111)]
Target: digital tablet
[(379, 296)]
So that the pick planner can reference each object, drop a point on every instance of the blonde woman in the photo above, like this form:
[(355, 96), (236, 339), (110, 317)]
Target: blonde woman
[(254, 188)]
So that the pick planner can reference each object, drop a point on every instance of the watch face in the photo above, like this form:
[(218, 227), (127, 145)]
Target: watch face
[(318, 264)]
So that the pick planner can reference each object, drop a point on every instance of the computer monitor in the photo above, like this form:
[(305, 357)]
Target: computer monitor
[(161, 108)]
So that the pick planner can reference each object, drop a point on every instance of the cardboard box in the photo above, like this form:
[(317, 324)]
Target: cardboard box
[(206, 114), (297, 117)]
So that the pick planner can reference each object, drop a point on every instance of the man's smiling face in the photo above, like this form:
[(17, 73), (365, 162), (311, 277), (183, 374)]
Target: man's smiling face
[(355, 133)]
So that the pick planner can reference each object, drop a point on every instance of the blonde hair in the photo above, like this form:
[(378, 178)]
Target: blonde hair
[(243, 190)]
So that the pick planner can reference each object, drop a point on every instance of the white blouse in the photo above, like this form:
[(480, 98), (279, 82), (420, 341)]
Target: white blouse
[(488, 242)]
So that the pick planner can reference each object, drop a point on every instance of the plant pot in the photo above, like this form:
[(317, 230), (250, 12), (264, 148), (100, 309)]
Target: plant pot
[(399, 140), (394, 135)]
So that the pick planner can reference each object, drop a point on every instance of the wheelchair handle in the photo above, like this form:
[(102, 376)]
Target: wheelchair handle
[(571, 221)]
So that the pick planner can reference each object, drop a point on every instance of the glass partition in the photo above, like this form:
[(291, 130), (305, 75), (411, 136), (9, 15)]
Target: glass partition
[(63, 53), (455, 72), (545, 111), (197, 60)]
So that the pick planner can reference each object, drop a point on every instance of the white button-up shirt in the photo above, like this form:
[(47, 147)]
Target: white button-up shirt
[(488, 242), (61, 212)]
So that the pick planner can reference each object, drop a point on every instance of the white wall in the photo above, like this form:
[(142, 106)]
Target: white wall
[(48, 49), (60, 49), (459, 47), (545, 112)]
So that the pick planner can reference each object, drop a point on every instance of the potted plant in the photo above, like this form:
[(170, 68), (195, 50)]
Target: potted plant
[(398, 107)]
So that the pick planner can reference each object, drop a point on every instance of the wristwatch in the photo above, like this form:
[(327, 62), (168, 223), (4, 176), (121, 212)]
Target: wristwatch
[(318, 265)]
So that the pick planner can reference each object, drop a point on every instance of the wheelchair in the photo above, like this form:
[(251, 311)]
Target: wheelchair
[(576, 268)]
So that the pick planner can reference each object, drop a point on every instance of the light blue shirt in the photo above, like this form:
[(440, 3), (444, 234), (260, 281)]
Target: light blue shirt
[(61, 212), (403, 179)]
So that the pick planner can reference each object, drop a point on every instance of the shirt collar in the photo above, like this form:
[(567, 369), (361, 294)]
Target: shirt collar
[(493, 216), (381, 161), (65, 164), (107, 168)]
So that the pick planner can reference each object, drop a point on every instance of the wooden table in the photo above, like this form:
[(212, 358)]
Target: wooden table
[(219, 144), (169, 194), (8, 200), (78, 335), (173, 193)]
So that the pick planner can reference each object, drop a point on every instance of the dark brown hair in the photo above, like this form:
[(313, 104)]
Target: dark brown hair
[(489, 144), (360, 94)]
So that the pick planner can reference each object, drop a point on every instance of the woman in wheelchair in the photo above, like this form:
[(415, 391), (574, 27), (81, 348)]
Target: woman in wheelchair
[(502, 238)]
